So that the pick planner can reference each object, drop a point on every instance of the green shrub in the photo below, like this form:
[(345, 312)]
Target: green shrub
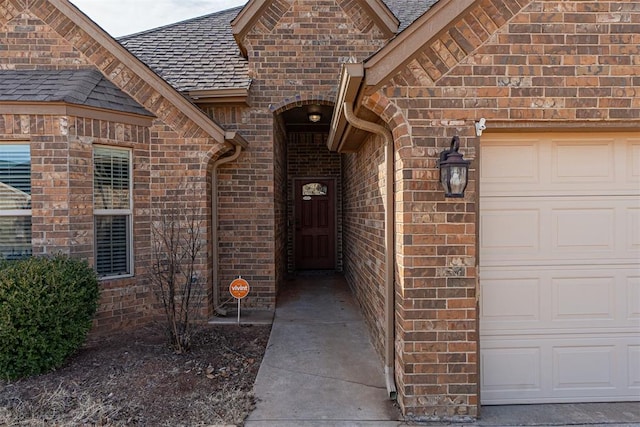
[(46, 310)]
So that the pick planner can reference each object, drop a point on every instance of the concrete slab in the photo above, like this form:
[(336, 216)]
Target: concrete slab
[(247, 317), (614, 413), (320, 366)]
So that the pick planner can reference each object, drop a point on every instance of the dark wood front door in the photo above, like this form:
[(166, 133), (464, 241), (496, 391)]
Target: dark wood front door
[(315, 224)]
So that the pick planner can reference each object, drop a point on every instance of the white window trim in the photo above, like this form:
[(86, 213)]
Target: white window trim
[(117, 212)]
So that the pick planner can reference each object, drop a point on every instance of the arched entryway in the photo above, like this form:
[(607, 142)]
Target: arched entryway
[(308, 189)]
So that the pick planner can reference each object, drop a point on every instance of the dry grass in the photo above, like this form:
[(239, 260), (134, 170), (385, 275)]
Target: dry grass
[(134, 379), (62, 406), (65, 406)]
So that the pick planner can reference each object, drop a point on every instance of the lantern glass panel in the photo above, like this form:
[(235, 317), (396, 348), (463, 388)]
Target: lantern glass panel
[(457, 179)]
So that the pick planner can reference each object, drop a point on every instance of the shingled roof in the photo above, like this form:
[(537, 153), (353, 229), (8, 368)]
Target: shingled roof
[(82, 87), (196, 54), (408, 11), (201, 53)]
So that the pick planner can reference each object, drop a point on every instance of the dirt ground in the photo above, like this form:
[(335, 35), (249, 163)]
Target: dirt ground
[(135, 379)]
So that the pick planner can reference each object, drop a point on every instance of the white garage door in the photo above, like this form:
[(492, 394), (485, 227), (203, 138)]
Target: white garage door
[(560, 267)]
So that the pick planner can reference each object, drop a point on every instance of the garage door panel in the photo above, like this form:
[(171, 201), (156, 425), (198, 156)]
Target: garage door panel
[(569, 164), (523, 373), (583, 367), (633, 366), (560, 267), (633, 161), (585, 226), (549, 230), (516, 230), (587, 229), (576, 161), (633, 297), (559, 299), (633, 227), (564, 368), (513, 299), (583, 298), (513, 163)]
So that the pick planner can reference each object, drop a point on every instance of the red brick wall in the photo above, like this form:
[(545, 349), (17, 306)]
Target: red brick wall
[(364, 246), (28, 42), (247, 222), (244, 208), (551, 66), (249, 210), (62, 201), (281, 150), (178, 172), (554, 61), (171, 156)]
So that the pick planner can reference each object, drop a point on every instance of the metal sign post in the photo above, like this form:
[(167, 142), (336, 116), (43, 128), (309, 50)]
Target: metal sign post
[(239, 289)]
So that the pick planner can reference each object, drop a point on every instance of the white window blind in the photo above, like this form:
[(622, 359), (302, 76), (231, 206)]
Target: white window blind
[(15, 200), (111, 178), (112, 209)]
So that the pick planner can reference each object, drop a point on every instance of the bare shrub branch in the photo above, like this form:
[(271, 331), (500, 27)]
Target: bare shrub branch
[(176, 235)]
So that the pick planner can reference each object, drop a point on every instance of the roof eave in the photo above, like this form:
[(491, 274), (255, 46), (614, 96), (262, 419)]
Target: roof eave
[(244, 21), (141, 69), (383, 17), (219, 96), (351, 77), (61, 108), (236, 139), (402, 49)]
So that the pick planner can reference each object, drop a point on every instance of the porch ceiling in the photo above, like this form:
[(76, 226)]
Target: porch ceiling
[(297, 119)]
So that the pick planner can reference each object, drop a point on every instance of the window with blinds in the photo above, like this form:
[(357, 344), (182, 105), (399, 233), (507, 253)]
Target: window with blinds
[(15, 200), (112, 210)]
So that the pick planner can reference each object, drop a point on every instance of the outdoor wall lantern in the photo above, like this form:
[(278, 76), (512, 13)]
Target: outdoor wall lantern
[(453, 170)]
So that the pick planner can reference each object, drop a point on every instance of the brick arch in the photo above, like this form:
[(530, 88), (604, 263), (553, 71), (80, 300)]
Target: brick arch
[(393, 116), (299, 101)]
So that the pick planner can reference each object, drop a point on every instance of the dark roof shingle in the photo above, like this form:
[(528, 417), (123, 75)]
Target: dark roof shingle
[(197, 54), (81, 87), (407, 11)]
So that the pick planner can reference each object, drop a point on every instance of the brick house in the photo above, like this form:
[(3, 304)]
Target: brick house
[(307, 134)]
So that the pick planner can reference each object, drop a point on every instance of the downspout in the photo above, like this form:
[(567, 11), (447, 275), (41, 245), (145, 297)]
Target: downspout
[(230, 137), (389, 244)]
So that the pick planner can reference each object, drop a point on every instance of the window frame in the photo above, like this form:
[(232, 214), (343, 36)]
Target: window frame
[(21, 212), (128, 213)]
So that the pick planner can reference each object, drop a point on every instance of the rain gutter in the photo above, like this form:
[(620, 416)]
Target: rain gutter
[(344, 118), (239, 143)]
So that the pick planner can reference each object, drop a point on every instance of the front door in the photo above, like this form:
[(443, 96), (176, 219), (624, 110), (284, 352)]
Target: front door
[(315, 234)]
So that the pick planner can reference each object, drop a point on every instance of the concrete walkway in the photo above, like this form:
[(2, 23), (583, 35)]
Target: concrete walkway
[(320, 369)]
